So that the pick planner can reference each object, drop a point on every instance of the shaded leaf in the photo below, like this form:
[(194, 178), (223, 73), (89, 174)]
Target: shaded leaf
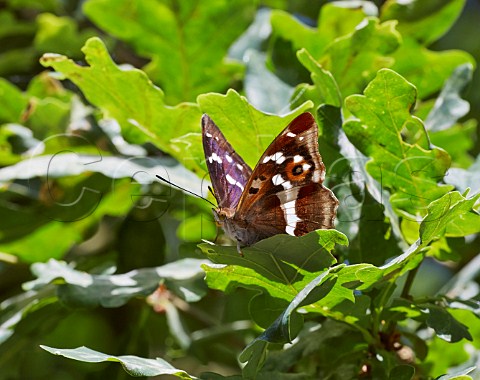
[(402, 372), (465, 179), (81, 288), (254, 355), (449, 106), (264, 90), (444, 324)]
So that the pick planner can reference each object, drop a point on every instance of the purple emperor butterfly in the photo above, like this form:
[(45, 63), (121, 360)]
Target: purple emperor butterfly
[(283, 194)]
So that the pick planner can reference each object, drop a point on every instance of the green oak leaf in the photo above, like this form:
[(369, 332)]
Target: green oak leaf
[(324, 89), (13, 102), (139, 107), (421, 23), (355, 58), (184, 62), (426, 69), (130, 97), (452, 215), (133, 365), (281, 265), (248, 130), (423, 20), (332, 287), (59, 34), (334, 21), (352, 51), (410, 172)]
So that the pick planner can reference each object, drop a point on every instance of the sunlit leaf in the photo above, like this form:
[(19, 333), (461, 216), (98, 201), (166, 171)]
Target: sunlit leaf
[(335, 20), (423, 20), (13, 102), (325, 89), (451, 215), (59, 35), (177, 49), (130, 97), (427, 69), (410, 172), (133, 365), (247, 129)]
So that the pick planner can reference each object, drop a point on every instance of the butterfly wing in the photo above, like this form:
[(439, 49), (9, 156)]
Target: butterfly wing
[(228, 172), (285, 192)]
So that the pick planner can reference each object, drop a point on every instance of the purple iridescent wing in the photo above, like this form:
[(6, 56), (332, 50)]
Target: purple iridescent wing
[(228, 172)]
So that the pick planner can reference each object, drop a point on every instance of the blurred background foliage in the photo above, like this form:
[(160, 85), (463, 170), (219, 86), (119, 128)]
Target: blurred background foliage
[(124, 219)]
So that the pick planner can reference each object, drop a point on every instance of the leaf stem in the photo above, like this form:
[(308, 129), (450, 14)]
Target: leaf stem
[(408, 283)]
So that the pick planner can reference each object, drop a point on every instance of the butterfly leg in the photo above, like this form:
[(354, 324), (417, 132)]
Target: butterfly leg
[(239, 249)]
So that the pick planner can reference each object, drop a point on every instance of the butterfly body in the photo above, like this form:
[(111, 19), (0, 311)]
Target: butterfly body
[(282, 194)]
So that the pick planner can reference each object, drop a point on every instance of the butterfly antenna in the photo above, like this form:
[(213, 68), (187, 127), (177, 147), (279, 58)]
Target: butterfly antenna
[(183, 189)]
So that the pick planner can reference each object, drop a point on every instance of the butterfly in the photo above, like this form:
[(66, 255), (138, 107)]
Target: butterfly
[(283, 194)]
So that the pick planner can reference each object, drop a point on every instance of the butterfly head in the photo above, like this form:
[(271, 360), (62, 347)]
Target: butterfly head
[(237, 230), (222, 214)]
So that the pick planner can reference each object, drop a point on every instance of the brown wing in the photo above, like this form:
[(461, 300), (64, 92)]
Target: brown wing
[(285, 192), (228, 172)]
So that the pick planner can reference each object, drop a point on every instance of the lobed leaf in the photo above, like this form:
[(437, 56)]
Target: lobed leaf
[(281, 265), (128, 96), (325, 89), (335, 20), (410, 172), (425, 21), (451, 215), (184, 62), (426, 69), (247, 129), (354, 59)]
